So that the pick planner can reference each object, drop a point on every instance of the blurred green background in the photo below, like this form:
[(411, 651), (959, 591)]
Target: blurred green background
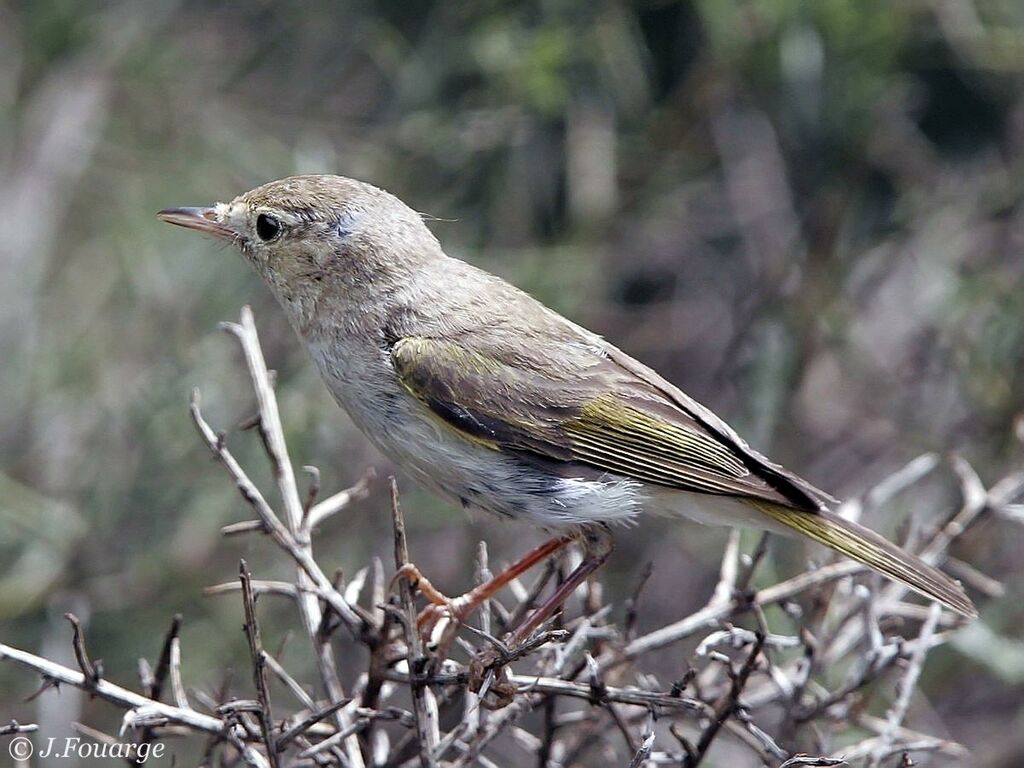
[(809, 215)]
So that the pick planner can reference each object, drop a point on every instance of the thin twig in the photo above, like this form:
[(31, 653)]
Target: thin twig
[(337, 502), (154, 688), (115, 694), (644, 751), (14, 727), (308, 722), (712, 614), (426, 722), (907, 687), (178, 695), (92, 672), (556, 686), (297, 541), (861, 627), (259, 663), (259, 587), (164, 662), (727, 706), (293, 685), (281, 535)]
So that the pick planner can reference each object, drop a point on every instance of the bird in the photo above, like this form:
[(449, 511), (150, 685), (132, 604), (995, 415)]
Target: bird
[(479, 391)]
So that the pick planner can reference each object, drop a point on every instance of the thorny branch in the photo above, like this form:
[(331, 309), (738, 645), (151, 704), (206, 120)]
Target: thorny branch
[(726, 707), (753, 655)]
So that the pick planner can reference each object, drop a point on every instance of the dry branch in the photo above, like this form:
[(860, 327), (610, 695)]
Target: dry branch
[(115, 694), (424, 709), (259, 664)]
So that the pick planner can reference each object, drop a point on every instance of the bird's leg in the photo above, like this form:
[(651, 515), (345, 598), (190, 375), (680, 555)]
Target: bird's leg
[(487, 670), (445, 612), (597, 548), (465, 605)]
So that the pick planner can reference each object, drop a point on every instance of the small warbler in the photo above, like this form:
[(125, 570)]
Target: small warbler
[(483, 393)]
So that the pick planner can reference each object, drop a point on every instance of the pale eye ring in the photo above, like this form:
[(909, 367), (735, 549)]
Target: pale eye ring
[(267, 227)]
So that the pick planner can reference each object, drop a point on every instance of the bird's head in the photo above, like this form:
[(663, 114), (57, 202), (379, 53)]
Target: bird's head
[(307, 235)]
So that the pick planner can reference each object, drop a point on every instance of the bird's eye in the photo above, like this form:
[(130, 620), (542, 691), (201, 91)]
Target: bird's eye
[(267, 227)]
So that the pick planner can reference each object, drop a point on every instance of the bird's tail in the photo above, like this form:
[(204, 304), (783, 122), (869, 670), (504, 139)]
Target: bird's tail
[(868, 548)]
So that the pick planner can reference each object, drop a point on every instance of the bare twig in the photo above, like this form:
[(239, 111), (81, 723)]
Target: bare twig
[(174, 669), (907, 688), (154, 686), (629, 623), (259, 587), (713, 613), (308, 722), (282, 536), (812, 762), (312, 492), (113, 693), (726, 706), (290, 682), (164, 662), (424, 712), (14, 727), (91, 672), (556, 686), (337, 502), (578, 677), (644, 750), (259, 664), (296, 537)]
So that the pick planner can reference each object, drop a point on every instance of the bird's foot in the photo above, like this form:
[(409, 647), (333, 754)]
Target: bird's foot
[(437, 622)]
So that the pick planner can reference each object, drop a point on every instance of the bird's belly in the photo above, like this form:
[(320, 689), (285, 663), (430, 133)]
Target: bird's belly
[(476, 476)]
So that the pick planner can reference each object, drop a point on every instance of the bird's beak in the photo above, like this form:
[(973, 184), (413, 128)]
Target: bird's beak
[(203, 220)]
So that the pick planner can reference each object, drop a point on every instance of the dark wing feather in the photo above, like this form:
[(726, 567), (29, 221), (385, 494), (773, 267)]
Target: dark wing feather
[(570, 401)]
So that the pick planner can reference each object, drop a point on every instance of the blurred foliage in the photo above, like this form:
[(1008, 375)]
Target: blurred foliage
[(809, 215)]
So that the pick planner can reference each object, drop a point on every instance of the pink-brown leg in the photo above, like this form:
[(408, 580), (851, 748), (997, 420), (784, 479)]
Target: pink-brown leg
[(458, 609), (597, 548), (438, 619), (487, 670)]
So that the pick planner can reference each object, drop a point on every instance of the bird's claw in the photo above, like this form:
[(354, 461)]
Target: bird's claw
[(437, 622)]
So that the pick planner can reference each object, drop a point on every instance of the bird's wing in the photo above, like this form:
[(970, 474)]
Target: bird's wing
[(571, 402)]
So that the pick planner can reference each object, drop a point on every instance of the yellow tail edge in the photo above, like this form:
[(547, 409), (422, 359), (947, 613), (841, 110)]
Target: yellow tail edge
[(869, 548)]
